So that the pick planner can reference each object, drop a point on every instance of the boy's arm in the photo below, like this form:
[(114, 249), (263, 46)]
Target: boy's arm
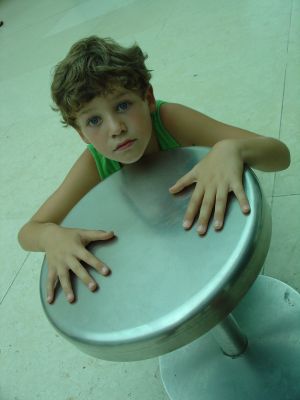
[(221, 171), (81, 178), (192, 128), (65, 248)]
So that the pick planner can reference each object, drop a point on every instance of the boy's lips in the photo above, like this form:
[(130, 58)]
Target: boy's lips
[(124, 145)]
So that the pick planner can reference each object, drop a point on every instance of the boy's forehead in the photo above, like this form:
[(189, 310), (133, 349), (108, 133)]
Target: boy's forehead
[(113, 95), (118, 92)]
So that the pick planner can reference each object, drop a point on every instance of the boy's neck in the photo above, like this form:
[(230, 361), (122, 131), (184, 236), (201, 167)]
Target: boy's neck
[(153, 146)]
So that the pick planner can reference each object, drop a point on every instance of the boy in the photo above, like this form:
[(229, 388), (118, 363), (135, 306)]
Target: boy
[(103, 91)]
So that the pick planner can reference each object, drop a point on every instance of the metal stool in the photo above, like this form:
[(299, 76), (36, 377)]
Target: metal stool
[(181, 297)]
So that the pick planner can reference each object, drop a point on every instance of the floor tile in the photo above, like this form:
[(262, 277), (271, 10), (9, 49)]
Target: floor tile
[(12, 257), (27, 96), (283, 258), (86, 11), (29, 13), (36, 50), (48, 367), (218, 65), (41, 163)]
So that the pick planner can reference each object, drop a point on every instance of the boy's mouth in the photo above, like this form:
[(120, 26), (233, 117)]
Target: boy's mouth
[(125, 145)]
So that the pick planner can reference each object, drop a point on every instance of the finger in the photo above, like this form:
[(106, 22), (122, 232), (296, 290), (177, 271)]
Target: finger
[(83, 275), (65, 282), (184, 181), (242, 198), (193, 206), (91, 236), (220, 207), (93, 261), (206, 210), (51, 284)]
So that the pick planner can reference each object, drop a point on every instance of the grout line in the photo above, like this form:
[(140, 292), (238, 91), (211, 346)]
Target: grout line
[(15, 277), (285, 70), (284, 85), (273, 190), (286, 195)]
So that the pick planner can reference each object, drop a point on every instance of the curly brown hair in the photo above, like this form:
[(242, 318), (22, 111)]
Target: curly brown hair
[(94, 67)]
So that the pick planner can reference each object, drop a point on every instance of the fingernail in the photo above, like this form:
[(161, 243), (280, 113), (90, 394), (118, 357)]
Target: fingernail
[(92, 285), (109, 233), (217, 224), (201, 229), (105, 270), (186, 224), (70, 297), (49, 299), (106, 232)]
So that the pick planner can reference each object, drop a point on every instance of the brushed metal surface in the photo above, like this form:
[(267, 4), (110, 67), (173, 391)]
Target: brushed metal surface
[(168, 286)]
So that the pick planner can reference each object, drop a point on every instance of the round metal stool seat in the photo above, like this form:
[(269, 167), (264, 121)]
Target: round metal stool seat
[(168, 286)]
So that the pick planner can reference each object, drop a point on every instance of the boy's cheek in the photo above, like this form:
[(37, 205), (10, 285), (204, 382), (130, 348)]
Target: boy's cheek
[(83, 137)]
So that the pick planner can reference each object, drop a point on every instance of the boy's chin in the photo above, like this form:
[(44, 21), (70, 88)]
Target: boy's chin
[(131, 160)]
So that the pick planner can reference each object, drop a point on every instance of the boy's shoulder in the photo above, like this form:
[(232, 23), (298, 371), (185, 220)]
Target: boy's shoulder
[(175, 117), (83, 173), (170, 112)]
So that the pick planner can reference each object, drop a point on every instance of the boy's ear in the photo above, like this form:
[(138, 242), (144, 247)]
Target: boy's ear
[(150, 98)]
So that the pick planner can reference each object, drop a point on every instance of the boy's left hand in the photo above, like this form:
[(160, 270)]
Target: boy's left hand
[(217, 174)]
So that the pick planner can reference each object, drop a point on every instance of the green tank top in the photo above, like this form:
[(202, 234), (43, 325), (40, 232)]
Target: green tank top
[(106, 167)]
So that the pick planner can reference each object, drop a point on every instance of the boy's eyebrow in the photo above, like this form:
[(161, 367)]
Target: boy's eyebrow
[(116, 97), (85, 111)]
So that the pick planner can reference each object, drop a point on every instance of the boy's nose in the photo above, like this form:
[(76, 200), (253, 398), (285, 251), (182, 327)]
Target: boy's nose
[(116, 127)]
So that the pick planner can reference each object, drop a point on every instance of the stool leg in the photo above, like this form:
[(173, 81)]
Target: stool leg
[(228, 335)]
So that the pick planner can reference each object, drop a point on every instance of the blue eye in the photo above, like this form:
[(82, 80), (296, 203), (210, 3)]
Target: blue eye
[(123, 106), (94, 121)]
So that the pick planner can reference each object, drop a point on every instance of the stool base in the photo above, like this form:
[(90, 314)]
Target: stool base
[(269, 315)]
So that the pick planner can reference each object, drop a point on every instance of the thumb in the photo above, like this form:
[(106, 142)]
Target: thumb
[(183, 182)]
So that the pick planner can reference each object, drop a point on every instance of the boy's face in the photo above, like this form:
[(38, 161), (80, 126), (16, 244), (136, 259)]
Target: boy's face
[(119, 125)]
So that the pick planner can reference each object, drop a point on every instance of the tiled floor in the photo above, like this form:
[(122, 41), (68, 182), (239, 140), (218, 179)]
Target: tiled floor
[(237, 61)]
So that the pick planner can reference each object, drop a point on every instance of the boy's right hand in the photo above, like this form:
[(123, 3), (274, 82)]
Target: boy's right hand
[(65, 248)]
